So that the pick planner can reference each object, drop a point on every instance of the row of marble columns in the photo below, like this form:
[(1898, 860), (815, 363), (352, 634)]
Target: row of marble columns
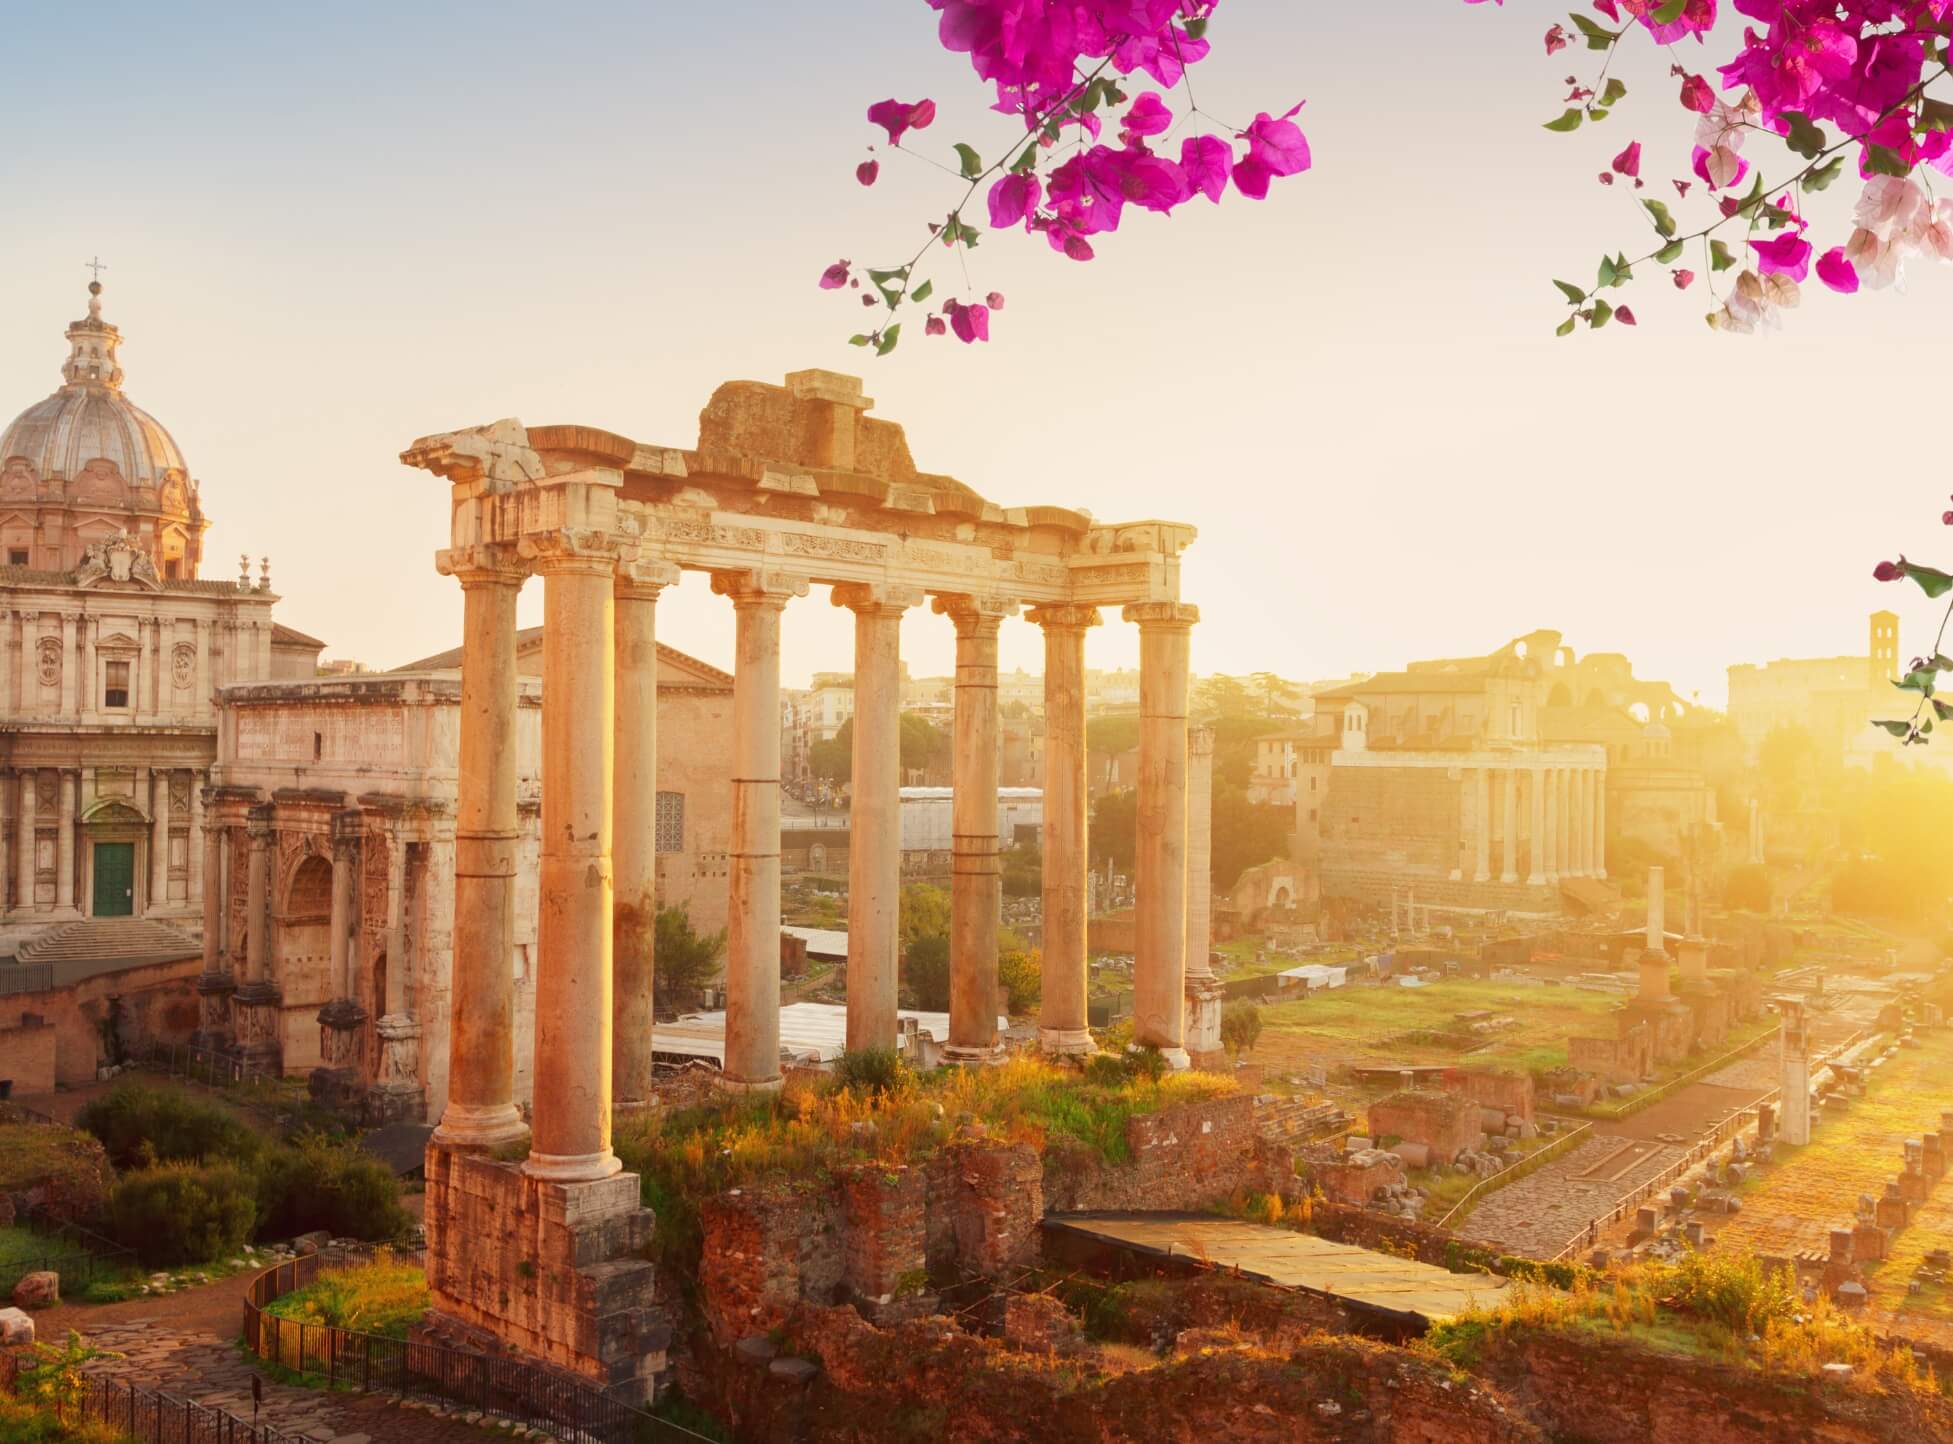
[(593, 973), (152, 789), (1567, 828)]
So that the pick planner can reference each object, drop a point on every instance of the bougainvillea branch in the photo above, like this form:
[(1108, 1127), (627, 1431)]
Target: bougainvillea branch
[(1056, 65), (1807, 68)]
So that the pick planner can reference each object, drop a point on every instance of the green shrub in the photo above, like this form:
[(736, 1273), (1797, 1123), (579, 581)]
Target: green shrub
[(870, 1070), (317, 1182), (1148, 1062), (1240, 1026), (1108, 1070), (1020, 977), (925, 972), (140, 1126), (183, 1213)]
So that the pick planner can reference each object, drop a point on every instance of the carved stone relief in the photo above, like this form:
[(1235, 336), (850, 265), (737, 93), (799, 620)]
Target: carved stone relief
[(183, 666), (47, 661)]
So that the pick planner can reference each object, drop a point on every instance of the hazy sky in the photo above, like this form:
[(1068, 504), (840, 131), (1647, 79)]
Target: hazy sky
[(331, 229)]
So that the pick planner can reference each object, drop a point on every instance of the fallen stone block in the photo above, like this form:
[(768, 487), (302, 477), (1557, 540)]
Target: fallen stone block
[(15, 1327), (38, 1290)]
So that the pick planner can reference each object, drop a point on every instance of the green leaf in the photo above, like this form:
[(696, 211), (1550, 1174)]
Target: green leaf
[(1572, 292), (1569, 121), (972, 162), (1720, 256), (1604, 276), (1818, 179), (889, 338), (1934, 115), (1664, 222), (857, 340), (1897, 729), (1596, 112), (1941, 662), (1919, 681), (1943, 710), (1669, 253), (1932, 582), (1883, 160), (1804, 138), (1669, 12), (1195, 27), (1565, 328), (1600, 314), (1623, 272), (1754, 199), (1612, 92), (922, 292), (1598, 37)]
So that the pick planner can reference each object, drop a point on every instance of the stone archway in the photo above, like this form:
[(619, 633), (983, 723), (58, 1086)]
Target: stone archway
[(303, 939), (114, 860)]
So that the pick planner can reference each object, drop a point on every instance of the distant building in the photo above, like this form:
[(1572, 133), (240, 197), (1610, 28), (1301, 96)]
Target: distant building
[(1834, 699)]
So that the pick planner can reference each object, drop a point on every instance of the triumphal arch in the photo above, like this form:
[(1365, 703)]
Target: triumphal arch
[(788, 487)]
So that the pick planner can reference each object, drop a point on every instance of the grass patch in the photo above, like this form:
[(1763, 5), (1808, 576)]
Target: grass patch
[(385, 1296), (31, 1153), (24, 1423)]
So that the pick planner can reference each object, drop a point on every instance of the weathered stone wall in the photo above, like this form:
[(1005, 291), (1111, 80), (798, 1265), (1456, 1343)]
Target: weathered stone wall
[(1185, 1157), (1509, 1093), (155, 1004), (1446, 1123), (27, 1055)]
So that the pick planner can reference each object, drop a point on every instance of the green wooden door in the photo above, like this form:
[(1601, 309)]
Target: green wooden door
[(115, 879)]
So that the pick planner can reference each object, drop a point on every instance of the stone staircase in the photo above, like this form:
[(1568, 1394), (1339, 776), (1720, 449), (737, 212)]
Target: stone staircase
[(110, 940)]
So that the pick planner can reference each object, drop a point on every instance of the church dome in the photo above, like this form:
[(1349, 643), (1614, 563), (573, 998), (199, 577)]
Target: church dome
[(90, 420)]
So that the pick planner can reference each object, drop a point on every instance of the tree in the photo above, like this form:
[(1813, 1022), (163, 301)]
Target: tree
[(925, 972), (925, 746), (1114, 832), (923, 912), (1277, 692), (1246, 834), (832, 758), (1116, 733), (1224, 697), (1846, 65), (1020, 979), (1055, 65), (683, 961), (1240, 1026), (1023, 870)]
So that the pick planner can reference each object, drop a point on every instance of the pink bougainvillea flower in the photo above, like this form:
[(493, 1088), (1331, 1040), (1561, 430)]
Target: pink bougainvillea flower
[(1205, 161), (1697, 96), (995, 300), (1279, 144), (1720, 167), (1148, 116), (1786, 255), (970, 323), (1012, 198), (898, 117), (1624, 315), (1556, 39), (1683, 279), (835, 276), (1628, 162), (1682, 187), (1606, 177), (1890, 571), (1609, 9), (867, 171), (934, 326), (1837, 272)]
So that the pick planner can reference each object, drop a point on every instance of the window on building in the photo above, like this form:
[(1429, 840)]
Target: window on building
[(671, 822), (16, 556), (116, 693), (170, 569)]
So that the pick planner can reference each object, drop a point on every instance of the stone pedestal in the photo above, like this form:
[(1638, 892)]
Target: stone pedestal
[(255, 1034), (544, 1270), (336, 1081), (214, 991), (1205, 999), (397, 1093)]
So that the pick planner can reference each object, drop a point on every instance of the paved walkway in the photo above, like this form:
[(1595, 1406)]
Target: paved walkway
[(1548, 1209)]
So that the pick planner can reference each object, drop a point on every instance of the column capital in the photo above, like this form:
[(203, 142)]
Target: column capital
[(573, 551), (488, 564), (1161, 614), (760, 587), (1064, 616), (876, 598), (974, 616), (641, 579)]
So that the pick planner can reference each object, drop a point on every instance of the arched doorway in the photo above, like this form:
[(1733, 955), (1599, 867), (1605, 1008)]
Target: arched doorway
[(114, 858), (303, 938)]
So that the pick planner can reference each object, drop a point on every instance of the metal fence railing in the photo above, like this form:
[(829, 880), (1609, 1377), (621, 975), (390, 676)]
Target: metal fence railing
[(79, 1255), (206, 1065), (337, 1358), (26, 978), (152, 1416)]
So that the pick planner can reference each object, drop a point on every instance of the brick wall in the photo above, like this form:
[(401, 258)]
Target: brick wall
[(27, 1055), (1185, 1157), (1509, 1093), (1445, 1122)]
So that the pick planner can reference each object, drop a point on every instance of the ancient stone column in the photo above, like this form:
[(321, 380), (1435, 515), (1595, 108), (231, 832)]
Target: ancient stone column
[(480, 1111), (342, 906), (1481, 825), (1160, 871), (193, 842), (257, 888), (1509, 860), (1593, 821), (1205, 996), (753, 860), (64, 850), (1794, 1072), (159, 840), (634, 819), (1550, 785), (875, 818), (1536, 836), (1657, 912), (976, 871), (212, 844), (1063, 1023), (26, 842), (571, 1114), (70, 668)]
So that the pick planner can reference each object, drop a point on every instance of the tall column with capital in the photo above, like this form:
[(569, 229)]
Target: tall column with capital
[(159, 840), (1482, 825), (1600, 822), (976, 872), (64, 848), (257, 888), (753, 860), (1205, 995), (1160, 871), (875, 818), (1536, 834), (571, 1115), (210, 847), (634, 822), (345, 836), (1509, 858), (26, 841), (1583, 832), (480, 1111), (1567, 821), (193, 843), (1063, 1022), (1549, 778)]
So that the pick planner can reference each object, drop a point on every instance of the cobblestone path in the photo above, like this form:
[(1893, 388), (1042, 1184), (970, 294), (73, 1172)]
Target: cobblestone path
[(1548, 1209), (214, 1372)]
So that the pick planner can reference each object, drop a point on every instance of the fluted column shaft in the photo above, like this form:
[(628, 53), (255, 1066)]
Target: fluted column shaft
[(64, 849), (634, 814), (1160, 870), (193, 841), (875, 818), (1536, 837), (1568, 821), (159, 840), (342, 909), (1600, 824), (571, 1114), (1550, 785), (976, 871), (1509, 858), (1482, 825), (211, 847), (1063, 1021), (480, 1111), (753, 921), (26, 841), (257, 886)]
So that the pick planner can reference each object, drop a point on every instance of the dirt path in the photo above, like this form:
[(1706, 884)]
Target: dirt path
[(207, 1308), (1545, 1211)]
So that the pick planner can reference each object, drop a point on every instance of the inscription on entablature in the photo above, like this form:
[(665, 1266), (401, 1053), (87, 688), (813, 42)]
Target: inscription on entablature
[(941, 561), (845, 548), (1114, 575), (269, 735)]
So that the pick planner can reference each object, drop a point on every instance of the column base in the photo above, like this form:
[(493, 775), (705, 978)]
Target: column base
[(750, 1085), (1066, 1042), (572, 1167), (1534, 879), (1177, 1059), (959, 1055), (1508, 878), (483, 1127)]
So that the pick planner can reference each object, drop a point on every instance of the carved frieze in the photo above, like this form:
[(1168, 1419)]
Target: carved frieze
[(47, 661)]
